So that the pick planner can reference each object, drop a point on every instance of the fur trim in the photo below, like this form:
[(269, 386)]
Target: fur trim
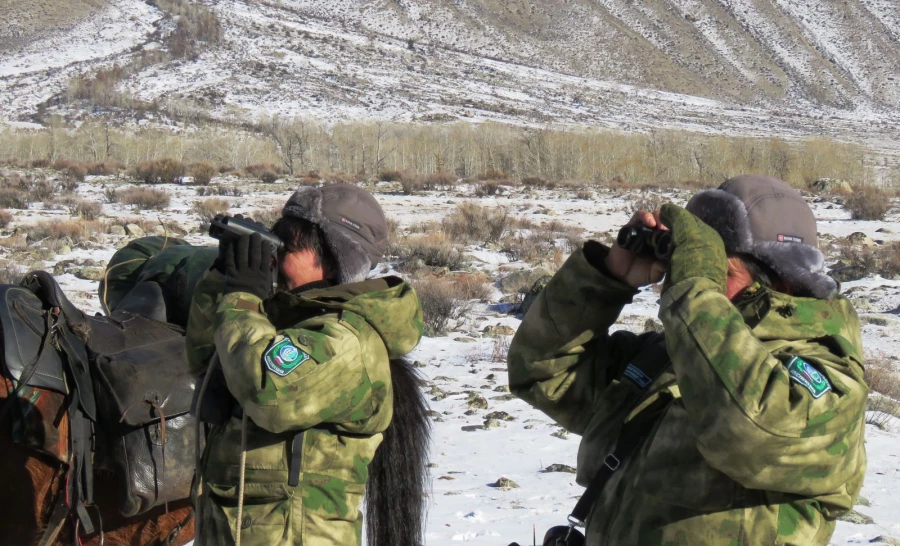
[(352, 261), (799, 265), (726, 214)]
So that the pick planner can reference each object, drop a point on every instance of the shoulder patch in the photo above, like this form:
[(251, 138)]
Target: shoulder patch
[(804, 374), (283, 356)]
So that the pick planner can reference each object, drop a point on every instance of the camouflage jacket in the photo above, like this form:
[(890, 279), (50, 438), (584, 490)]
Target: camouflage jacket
[(318, 362), (740, 447)]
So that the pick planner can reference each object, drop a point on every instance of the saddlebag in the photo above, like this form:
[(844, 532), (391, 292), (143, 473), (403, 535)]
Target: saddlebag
[(143, 397)]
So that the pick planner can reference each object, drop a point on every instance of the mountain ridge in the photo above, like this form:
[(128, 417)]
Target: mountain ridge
[(775, 67)]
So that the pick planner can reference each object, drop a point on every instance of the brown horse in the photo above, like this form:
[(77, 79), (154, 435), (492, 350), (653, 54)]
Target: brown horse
[(32, 484)]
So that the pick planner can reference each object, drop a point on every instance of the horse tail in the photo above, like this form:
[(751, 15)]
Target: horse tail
[(398, 475)]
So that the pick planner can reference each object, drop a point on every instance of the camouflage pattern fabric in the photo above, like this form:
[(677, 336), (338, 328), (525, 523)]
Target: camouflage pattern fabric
[(699, 250), (172, 263), (737, 453), (316, 361)]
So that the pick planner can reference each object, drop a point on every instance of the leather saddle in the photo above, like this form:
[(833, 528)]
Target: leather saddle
[(127, 371)]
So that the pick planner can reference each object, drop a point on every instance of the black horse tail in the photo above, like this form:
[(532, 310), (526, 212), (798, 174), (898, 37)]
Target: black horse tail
[(398, 475)]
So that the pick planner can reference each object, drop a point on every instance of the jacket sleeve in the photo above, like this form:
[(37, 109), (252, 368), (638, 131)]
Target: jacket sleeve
[(199, 335), (296, 378), (562, 356), (753, 422)]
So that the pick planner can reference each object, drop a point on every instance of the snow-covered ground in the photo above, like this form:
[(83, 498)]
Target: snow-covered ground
[(468, 460)]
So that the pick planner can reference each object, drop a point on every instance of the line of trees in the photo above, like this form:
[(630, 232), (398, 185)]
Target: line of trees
[(465, 150)]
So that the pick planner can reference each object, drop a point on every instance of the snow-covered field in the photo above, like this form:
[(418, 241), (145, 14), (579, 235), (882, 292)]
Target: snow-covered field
[(468, 458)]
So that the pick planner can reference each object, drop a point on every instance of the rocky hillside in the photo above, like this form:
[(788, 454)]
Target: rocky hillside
[(788, 67)]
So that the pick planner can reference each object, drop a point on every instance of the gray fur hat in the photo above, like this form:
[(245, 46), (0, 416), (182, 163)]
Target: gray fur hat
[(352, 223), (766, 218)]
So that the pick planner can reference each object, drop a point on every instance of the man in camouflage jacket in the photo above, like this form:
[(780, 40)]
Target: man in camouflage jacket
[(309, 367), (750, 418)]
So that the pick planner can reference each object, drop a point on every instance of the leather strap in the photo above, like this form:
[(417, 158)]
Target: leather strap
[(296, 459), (29, 370)]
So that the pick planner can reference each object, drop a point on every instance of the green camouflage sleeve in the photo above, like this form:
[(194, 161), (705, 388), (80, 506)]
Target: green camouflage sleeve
[(754, 423), (562, 356), (295, 378), (199, 335)]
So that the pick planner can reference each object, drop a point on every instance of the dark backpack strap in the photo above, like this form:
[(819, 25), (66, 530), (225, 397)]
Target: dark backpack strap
[(296, 459), (640, 373)]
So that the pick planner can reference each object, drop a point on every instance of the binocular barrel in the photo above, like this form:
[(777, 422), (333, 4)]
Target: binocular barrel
[(228, 227), (645, 241)]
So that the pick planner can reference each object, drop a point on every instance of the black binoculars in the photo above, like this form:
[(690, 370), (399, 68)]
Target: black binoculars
[(646, 242), (229, 227)]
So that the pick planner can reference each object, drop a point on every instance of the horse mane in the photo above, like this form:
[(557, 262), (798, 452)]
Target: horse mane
[(398, 474)]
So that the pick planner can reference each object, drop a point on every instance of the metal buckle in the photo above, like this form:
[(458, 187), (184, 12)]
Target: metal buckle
[(612, 462), (574, 522)]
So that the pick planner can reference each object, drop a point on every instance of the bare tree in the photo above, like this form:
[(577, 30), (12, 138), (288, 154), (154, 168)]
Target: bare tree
[(292, 141)]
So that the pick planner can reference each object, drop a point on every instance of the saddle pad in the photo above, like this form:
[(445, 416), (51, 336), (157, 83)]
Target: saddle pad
[(22, 328)]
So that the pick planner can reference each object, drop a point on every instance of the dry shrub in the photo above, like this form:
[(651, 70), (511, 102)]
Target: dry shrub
[(144, 198), (546, 244), (429, 250), (110, 194), (500, 350), (104, 168), (439, 181), (442, 300), (473, 286), (339, 178), (490, 188), (265, 172), (10, 273), (585, 195), (267, 217), (647, 201), (203, 172), (867, 203), (73, 170), (40, 163), (412, 184), (220, 190), (470, 223), (75, 231), (883, 378), (5, 218), (391, 175), (164, 170), (13, 198), (39, 189), (209, 208), (881, 260), (538, 182), (85, 209), (491, 174)]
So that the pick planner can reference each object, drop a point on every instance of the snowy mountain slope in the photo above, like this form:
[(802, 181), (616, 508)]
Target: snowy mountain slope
[(762, 67)]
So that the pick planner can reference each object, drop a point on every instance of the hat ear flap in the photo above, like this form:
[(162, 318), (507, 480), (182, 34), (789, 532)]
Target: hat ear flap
[(726, 214), (352, 261)]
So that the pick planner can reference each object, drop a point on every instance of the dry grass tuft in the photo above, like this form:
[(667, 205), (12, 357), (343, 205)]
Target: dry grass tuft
[(6, 218), (883, 378), (209, 208), (432, 250), (164, 170), (868, 203), (143, 198), (203, 172), (444, 299), (471, 223)]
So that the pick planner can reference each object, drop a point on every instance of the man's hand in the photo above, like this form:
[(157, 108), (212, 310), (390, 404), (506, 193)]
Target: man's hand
[(634, 270), (699, 250), (248, 265)]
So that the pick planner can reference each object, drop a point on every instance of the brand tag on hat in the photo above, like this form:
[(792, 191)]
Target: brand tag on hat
[(789, 238), (350, 223), (283, 356), (804, 374)]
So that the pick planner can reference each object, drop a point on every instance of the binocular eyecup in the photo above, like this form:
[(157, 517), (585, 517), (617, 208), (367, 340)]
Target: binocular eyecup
[(646, 242)]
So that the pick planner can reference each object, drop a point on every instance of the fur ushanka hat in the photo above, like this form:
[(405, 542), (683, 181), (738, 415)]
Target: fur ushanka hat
[(766, 218), (352, 223)]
